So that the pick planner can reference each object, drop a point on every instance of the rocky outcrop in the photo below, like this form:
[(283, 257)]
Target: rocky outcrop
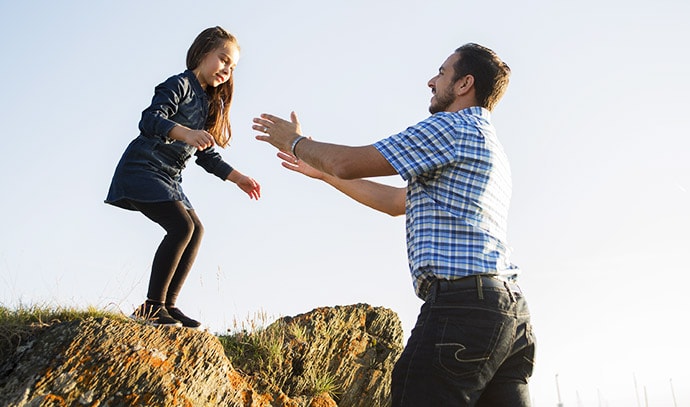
[(107, 362)]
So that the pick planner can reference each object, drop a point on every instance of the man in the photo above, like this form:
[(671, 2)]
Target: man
[(472, 344)]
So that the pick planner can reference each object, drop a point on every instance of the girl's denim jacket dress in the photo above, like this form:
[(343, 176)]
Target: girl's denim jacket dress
[(150, 168)]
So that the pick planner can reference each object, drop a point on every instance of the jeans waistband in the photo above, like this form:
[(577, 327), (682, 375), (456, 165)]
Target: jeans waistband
[(478, 282)]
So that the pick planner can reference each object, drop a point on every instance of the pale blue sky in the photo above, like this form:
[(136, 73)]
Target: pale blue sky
[(595, 123)]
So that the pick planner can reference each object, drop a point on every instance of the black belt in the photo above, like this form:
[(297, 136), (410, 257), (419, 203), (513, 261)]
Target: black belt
[(477, 282)]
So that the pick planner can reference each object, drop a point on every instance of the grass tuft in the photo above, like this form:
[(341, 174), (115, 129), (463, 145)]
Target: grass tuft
[(17, 325), (265, 352)]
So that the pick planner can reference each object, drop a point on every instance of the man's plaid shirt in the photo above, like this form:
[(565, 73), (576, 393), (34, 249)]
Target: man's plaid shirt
[(458, 193)]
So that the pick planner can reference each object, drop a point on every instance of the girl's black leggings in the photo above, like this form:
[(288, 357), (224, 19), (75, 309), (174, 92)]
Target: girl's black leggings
[(177, 251)]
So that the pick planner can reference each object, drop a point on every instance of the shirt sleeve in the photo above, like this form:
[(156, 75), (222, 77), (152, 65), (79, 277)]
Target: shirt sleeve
[(211, 161), (155, 120), (421, 148)]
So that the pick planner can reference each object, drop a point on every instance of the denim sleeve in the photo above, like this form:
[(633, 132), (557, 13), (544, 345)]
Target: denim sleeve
[(155, 120), (213, 163)]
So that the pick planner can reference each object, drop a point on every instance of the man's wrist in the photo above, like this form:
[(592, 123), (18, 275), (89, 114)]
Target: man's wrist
[(294, 145)]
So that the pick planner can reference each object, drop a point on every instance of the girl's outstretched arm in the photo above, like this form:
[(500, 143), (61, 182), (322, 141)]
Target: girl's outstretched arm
[(246, 184)]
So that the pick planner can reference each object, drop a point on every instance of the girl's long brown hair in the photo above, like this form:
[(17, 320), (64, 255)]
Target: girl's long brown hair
[(220, 97)]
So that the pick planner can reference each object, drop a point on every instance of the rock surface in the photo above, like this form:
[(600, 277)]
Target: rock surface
[(105, 362)]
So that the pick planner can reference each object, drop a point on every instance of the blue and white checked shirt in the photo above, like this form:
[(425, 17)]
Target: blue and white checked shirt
[(458, 193)]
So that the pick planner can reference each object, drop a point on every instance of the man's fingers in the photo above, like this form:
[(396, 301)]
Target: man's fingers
[(286, 157), (290, 166)]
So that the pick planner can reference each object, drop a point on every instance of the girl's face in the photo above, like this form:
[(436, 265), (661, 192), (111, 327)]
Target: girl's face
[(217, 66)]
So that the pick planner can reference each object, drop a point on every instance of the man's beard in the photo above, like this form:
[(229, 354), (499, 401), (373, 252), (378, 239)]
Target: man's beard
[(441, 101)]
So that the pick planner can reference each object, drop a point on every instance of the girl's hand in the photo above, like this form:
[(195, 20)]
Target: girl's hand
[(292, 163), (201, 139), (250, 186)]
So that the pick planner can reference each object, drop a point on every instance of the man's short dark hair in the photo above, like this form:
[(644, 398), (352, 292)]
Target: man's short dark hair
[(491, 74)]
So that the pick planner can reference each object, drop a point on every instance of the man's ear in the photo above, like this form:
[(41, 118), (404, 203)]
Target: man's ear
[(464, 85)]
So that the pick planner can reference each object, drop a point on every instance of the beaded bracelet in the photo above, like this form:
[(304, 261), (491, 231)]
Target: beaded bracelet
[(294, 144)]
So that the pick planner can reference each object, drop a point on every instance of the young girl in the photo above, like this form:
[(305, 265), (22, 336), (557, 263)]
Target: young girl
[(189, 113)]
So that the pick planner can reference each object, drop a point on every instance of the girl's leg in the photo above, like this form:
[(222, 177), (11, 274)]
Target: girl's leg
[(186, 261), (177, 222)]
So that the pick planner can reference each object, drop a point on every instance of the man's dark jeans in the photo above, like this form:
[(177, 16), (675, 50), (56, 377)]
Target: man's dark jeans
[(472, 346)]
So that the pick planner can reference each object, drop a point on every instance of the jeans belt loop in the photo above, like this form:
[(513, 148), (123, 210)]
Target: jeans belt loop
[(433, 292), (480, 291), (510, 292)]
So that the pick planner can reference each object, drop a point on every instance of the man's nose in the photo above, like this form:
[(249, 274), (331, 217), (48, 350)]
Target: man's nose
[(432, 82)]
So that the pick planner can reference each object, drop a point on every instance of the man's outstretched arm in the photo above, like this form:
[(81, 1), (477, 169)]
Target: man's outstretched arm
[(381, 197), (343, 162)]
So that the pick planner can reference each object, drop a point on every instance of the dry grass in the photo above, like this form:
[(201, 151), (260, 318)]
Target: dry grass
[(265, 351), (17, 325)]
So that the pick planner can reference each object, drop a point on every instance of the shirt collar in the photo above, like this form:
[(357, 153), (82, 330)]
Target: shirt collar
[(476, 111), (195, 82)]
